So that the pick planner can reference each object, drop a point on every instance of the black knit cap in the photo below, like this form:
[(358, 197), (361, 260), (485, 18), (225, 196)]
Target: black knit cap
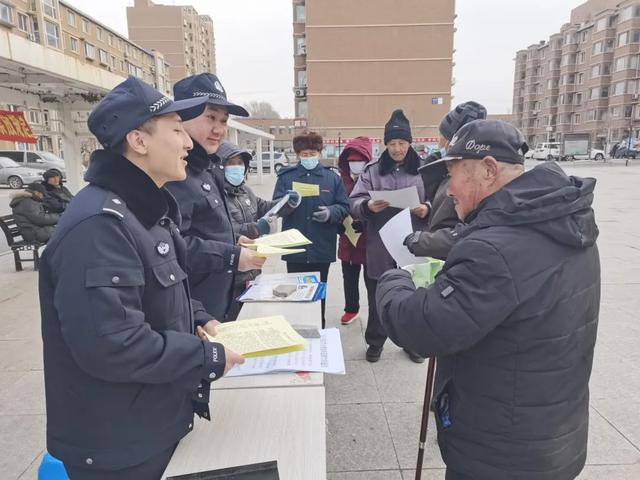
[(398, 127), (52, 172), (460, 116)]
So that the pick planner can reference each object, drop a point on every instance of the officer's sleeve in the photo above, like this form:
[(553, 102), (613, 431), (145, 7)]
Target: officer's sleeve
[(200, 316), (435, 244), (467, 301), (360, 197), (203, 255), (98, 298), (340, 209)]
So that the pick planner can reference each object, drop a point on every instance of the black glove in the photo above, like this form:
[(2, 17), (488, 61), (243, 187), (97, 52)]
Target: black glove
[(358, 226)]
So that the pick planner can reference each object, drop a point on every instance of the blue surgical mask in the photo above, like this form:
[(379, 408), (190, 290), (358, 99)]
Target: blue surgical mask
[(310, 162), (234, 174)]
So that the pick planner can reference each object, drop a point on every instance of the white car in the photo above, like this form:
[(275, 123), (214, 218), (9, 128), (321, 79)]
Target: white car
[(280, 160), (594, 154), (546, 151)]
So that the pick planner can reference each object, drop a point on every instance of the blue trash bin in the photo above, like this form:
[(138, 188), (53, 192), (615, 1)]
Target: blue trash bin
[(52, 469)]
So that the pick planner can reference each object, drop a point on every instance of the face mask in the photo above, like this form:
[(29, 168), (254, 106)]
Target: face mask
[(234, 174), (310, 162), (356, 168)]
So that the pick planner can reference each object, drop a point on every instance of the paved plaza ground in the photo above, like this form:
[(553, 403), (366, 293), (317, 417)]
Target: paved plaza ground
[(373, 412)]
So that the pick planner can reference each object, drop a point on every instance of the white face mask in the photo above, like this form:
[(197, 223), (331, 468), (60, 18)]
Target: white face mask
[(356, 168)]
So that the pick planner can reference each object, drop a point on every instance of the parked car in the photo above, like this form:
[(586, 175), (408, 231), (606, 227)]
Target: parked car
[(594, 154), (36, 159), (280, 160), (16, 176), (546, 151), (529, 154)]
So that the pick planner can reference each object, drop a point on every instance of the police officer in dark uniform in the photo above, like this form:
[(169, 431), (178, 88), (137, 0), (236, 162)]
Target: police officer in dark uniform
[(124, 369), (214, 254)]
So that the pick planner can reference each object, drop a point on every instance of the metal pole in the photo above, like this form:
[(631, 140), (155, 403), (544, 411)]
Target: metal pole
[(428, 393)]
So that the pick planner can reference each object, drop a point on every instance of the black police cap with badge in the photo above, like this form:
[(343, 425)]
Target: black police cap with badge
[(486, 138), (207, 85), (130, 104)]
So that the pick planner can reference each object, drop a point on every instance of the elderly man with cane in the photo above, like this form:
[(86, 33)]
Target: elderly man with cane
[(513, 315)]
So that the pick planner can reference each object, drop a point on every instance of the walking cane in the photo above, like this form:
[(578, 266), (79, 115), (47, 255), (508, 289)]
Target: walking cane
[(428, 392)]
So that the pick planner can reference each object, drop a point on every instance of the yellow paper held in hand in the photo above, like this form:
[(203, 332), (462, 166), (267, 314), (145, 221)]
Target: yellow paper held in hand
[(306, 189), (286, 239), (259, 337), (351, 234)]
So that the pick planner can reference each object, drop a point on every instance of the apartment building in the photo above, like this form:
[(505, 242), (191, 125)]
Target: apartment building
[(283, 129), (583, 79), (357, 61), (184, 37), (53, 35)]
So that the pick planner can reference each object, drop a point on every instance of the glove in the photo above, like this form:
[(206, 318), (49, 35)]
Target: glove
[(358, 226), (267, 225), (411, 240), (294, 199), (321, 215)]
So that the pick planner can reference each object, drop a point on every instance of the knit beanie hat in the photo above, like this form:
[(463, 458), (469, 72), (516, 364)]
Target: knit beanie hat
[(398, 127), (460, 116)]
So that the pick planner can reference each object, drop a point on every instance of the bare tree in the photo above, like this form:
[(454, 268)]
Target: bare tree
[(261, 110)]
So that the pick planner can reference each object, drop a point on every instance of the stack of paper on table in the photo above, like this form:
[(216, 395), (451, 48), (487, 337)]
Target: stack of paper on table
[(403, 198), (322, 354), (259, 337)]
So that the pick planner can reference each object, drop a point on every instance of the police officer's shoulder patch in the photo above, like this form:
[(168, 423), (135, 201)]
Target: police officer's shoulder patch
[(115, 206), (286, 169)]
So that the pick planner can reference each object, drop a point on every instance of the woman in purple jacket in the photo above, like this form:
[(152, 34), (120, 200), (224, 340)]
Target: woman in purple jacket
[(396, 168)]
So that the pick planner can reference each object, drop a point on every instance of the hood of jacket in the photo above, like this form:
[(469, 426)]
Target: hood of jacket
[(545, 199), (18, 197), (361, 145)]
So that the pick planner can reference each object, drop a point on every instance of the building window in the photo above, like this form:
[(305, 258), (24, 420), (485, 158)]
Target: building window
[(301, 13), (580, 78), (110, 39), (71, 18), (581, 57), (73, 44), (609, 45), (595, 93), (621, 64), (632, 87), (121, 66), (619, 88), (99, 33), (597, 48), (301, 46), (89, 51), (601, 24), (85, 25), (302, 78), (53, 34), (113, 62), (623, 39), (302, 109), (595, 71), (6, 13), (104, 57), (23, 22), (50, 8)]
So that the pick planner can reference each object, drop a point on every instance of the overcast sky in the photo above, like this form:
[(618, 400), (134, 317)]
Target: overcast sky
[(254, 47)]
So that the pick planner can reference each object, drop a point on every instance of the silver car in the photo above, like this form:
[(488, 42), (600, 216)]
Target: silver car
[(16, 176)]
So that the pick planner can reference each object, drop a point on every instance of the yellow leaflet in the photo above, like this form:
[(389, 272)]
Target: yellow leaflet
[(259, 337), (289, 238), (351, 234), (269, 251), (306, 189)]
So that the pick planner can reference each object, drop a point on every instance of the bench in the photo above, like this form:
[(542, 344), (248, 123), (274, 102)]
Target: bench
[(18, 244)]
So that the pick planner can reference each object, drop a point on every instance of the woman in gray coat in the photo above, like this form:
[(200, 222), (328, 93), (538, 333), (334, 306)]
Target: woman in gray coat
[(396, 168), (247, 210)]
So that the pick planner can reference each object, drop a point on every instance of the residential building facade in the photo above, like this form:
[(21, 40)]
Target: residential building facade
[(53, 36), (357, 61), (583, 79), (184, 37)]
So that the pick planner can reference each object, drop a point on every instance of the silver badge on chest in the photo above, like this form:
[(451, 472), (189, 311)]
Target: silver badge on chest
[(206, 187), (163, 248)]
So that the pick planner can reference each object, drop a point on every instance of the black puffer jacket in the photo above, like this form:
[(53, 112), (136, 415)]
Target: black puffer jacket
[(57, 199), (31, 217), (245, 208), (513, 319)]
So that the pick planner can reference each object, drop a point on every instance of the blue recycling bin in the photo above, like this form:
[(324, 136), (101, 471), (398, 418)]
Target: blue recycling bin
[(52, 469)]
